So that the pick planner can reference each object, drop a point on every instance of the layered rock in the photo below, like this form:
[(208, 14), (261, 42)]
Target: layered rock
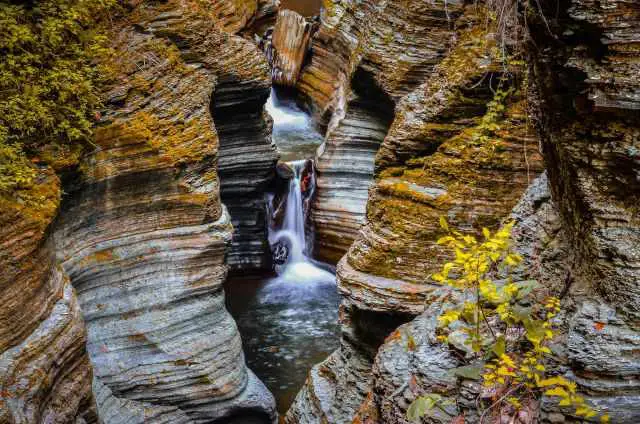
[(247, 155), (399, 43), (345, 166), (143, 234), (412, 362), (45, 374), (365, 77), (438, 158), (589, 97), (288, 47), (577, 230)]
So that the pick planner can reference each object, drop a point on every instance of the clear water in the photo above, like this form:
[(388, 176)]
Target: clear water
[(288, 321), (293, 130)]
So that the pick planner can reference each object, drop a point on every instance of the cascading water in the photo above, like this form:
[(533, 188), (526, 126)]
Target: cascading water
[(293, 130), (288, 322), (298, 268)]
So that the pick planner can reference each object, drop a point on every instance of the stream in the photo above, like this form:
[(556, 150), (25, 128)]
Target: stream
[(288, 321)]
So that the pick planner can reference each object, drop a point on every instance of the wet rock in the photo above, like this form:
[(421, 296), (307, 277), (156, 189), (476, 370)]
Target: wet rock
[(284, 171), (432, 162), (143, 234)]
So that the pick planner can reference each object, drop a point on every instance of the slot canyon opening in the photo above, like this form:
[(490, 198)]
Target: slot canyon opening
[(287, 318)]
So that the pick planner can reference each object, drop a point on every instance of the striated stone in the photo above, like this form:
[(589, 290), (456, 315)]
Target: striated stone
[(143, 234), (288, 47), (433, 163), (587, 115), (247, 157), (335, 388), (412, 362), (45, 375), (365, 77), (345, 165), (437, 159)]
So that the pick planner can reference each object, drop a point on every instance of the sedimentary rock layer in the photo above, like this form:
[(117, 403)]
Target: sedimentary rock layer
[(143, 234), (439, 157), (345, 165), (247, 155), (288, 47), (401, 374), (45, 375), (589, 97), (397, 42)]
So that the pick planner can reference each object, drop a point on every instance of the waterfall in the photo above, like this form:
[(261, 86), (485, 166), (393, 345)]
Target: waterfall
[(293, 228), (299, 268)]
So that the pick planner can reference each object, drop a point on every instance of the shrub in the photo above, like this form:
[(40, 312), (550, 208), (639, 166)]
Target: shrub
[(48, 79), (507, 332)]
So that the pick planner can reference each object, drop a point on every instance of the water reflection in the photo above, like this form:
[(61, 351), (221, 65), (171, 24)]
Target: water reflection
[(286, 329)]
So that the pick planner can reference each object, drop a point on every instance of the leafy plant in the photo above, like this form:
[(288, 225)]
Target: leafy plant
[(506, 332), (48, 79)]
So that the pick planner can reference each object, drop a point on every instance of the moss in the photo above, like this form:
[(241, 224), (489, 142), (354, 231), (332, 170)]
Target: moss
[(37, 204), (178, 142)]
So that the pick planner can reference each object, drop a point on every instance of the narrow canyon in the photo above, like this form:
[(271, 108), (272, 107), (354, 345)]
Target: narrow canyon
[(257, 231)]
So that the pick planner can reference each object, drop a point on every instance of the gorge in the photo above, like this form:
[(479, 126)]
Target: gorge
[(253, 232)]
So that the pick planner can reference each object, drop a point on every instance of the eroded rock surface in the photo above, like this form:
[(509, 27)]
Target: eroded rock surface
[(589, 97), (142, 236), (45, 375), (365, 58), (289, 47), (436, 159)]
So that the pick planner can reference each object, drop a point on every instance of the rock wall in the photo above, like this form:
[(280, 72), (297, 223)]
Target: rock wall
[(354, 78), (345, 167), (142, 238), (247, 157), (289, 47), (577, 228), (588, 100), (45, 375), (437, 159)]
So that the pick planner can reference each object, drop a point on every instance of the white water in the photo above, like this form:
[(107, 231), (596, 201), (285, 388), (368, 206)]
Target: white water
[(293, 129), (299, 269), (286, 117)]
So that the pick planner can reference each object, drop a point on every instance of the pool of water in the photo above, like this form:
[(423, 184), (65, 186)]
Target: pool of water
[(286, 329)]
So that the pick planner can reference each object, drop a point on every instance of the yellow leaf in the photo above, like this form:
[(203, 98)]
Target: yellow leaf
[(443, 223), (557, 391), (486, 233), (553, 381)]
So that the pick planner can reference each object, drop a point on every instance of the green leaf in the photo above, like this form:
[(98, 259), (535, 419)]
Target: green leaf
[(472, 372), (526, 287), (422, 405), (500, 346), (521, 314), (535, 332)]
